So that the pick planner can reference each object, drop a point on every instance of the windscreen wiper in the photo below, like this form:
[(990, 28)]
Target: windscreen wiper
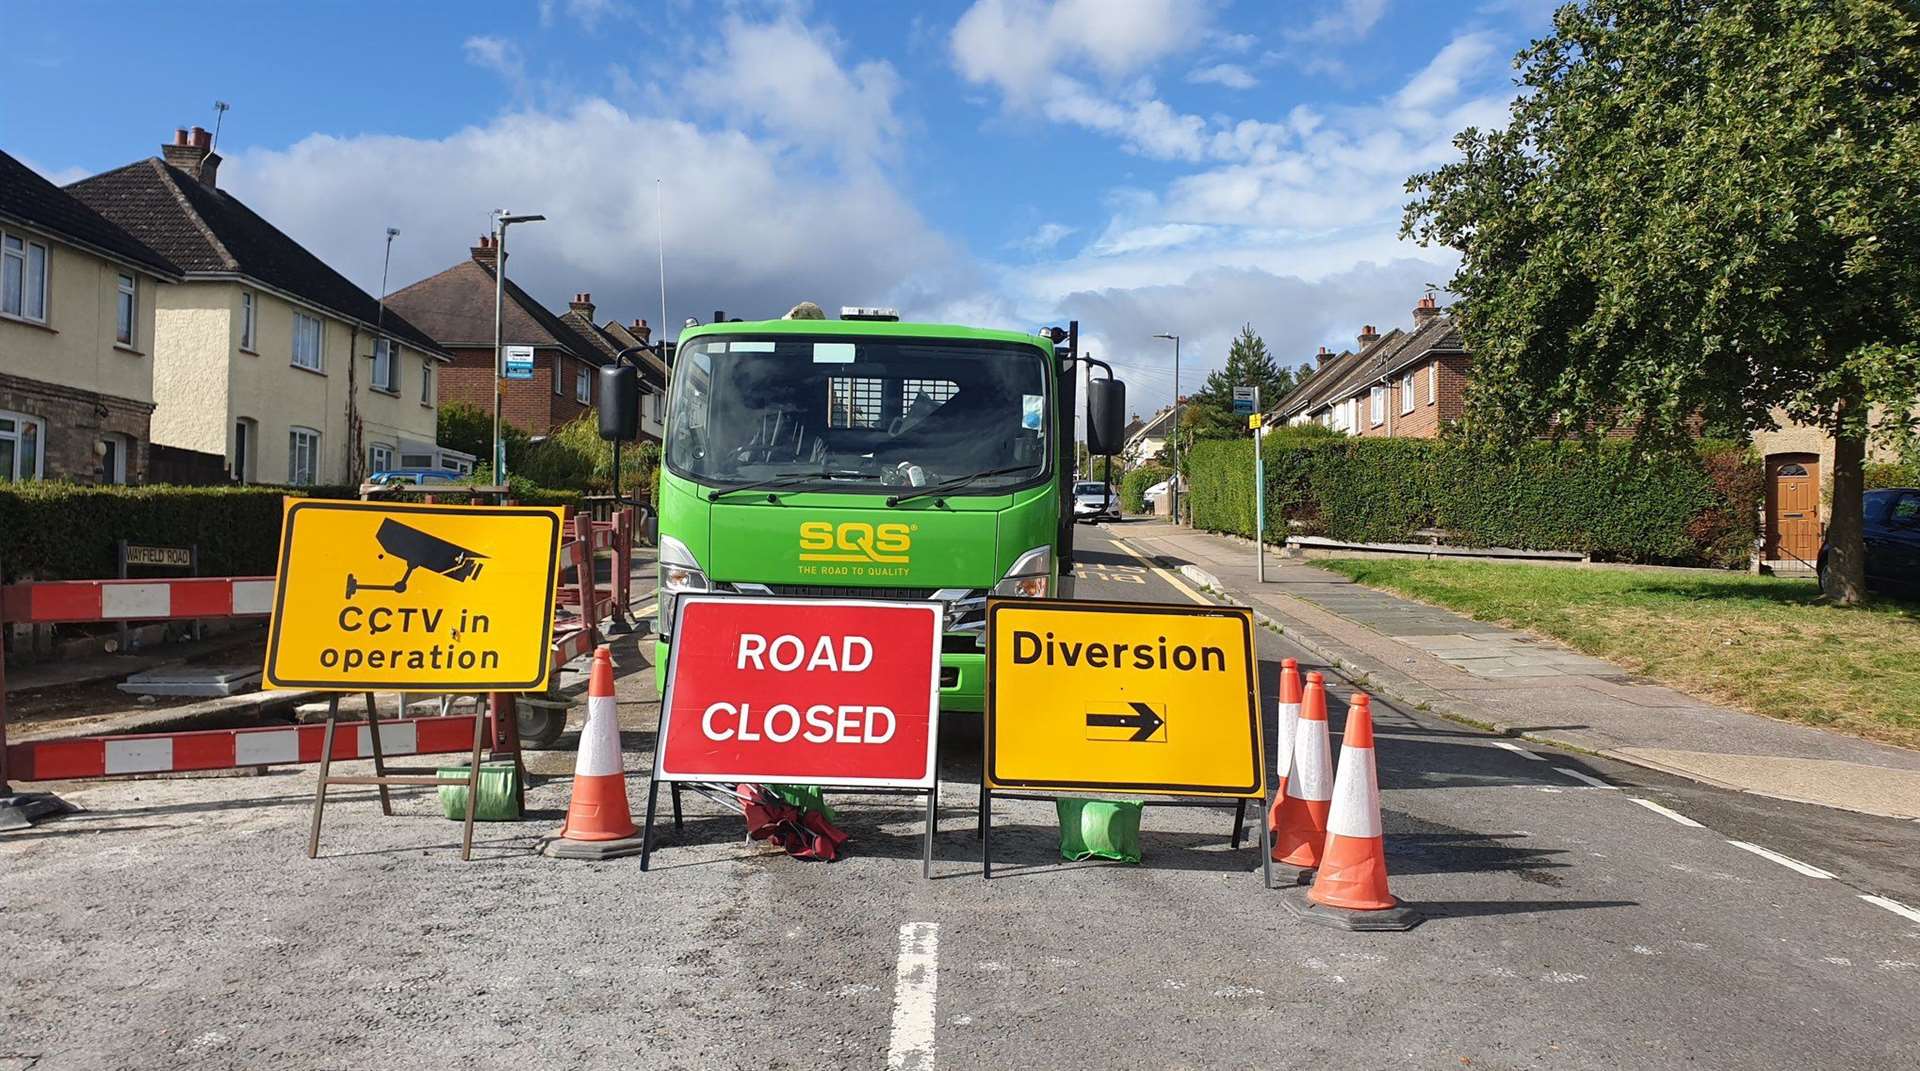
[(956, 484), (785, 479)]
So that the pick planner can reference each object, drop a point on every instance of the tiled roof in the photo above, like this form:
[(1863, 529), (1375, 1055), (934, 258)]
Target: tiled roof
[(654, 368), (1350, 374), (29, 199), (455, 307), (210, 231)]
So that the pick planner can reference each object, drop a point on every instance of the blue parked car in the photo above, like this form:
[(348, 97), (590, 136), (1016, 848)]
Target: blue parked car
[(1893, 541)]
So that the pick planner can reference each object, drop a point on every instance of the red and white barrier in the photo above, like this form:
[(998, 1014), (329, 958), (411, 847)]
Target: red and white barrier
[(57, 602), (226, 749)]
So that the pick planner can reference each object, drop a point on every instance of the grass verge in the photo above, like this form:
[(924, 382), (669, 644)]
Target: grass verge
[(1756, 643)]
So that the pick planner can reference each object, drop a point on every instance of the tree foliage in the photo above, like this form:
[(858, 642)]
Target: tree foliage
[(1209, 413), (1701, 210)]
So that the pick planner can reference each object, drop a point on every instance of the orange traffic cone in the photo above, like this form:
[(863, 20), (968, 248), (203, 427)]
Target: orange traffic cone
[(1283, 742), (1300, 821), (1350, 889), (599, 821)]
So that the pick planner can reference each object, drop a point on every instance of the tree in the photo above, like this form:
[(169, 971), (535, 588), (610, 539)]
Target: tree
[(1209, 413), (469, 429), (1702, 211)]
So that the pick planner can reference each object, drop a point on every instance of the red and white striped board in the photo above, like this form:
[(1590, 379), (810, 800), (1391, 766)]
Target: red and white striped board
[(227, 749), (570, 641), (53, 602)]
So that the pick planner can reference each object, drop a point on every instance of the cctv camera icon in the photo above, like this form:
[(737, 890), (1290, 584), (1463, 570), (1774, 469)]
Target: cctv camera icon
[(420, 551)]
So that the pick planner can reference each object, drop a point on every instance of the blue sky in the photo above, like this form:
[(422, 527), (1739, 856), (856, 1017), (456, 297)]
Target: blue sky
[(1146, 166)]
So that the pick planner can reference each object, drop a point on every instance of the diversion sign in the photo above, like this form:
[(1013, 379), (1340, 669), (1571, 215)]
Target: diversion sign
[(423, 598), (1127, 697)]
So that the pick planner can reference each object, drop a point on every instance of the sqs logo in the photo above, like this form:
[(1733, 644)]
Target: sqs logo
[(855, 541)]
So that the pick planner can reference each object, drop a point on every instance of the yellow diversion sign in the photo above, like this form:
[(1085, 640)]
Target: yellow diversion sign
[(378, 595), (1129, 697)]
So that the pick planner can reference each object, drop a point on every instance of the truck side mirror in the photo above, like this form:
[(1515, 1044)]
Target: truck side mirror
[(619, 403), (1106, 416)]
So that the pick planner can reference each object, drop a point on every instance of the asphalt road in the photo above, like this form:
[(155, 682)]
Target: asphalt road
[(178, 924)]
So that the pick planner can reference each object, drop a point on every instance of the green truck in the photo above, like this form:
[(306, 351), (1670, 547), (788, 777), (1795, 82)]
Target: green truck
[(864, 457)]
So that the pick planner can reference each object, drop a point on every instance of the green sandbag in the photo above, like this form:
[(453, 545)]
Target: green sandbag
[(1099, 829), (806, 798), (499, 792)]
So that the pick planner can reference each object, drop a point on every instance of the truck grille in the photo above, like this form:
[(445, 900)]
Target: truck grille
[(816, 591)]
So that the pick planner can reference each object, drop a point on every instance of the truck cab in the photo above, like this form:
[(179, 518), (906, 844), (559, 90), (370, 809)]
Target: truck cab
[(868, 458)]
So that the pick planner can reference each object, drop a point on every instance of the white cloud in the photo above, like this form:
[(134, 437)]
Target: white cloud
[(1231, 75), (587, 13), (1443, 77), (1019, 45), (1044, 237), (1344, 20), (499, 55), (787, 78)]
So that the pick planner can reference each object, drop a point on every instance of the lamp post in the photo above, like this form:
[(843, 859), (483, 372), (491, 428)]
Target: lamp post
[(501, 221), (1174, 487)]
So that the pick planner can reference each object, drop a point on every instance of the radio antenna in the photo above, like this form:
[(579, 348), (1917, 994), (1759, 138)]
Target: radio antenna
[(660, 238), (219, 116)]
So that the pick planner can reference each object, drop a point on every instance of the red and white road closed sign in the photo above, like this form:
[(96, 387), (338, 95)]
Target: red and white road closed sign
[(802, 691)]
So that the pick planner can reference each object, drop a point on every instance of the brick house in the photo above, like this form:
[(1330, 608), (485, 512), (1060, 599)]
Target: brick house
[(455, 308), (615, 338), (76, 336), (1403, 384)]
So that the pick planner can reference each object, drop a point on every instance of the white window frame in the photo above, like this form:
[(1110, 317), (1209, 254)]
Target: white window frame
[(559, 374), (249, 319), (17, 436), (311, 475), (1433, 382), (127, 300), (583, 385), (115, 458), (426, 383), (377, 463), (17, 253), (1406, 393), (246, 444), (319, 331), (386, 365), (1377, 405)]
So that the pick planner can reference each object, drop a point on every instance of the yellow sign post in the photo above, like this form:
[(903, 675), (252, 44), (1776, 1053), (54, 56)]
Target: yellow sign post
[(376, 596), (1145, 698)]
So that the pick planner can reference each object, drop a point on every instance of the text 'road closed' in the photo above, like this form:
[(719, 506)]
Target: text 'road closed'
[(801, 691)]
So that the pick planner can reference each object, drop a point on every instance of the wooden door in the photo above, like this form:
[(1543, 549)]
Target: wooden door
[(1793, 507)]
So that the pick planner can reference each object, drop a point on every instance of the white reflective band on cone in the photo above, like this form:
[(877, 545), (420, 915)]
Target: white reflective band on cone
[(1283, 753), (1356, 796), (1308, 780), (599, 740)]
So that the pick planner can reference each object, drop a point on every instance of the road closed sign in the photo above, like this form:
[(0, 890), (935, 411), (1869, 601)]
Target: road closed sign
[(375, 596), (1126, 697), (801, 691)]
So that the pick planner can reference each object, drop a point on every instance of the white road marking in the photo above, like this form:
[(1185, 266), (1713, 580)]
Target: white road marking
[(1667, 812), (1786, 861), (915, 978), (1163, 574), (1895, 906), (1578, 776), (1518, 750)]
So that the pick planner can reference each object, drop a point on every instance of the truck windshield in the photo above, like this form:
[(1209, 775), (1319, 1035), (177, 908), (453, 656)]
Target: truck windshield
[(857, 411)]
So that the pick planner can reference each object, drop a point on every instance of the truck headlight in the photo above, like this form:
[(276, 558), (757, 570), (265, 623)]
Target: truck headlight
[(1030, 576), (679, 572)]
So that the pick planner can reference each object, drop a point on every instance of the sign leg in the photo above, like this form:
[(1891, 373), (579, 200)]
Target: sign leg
[(379, 760), (933, 820), (473, 786), (1266, 851), (326, 764), (1239, 822), (646, 831), (986, 832), (678, 824)]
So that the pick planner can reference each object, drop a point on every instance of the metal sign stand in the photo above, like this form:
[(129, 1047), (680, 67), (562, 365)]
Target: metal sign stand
[(987, 796)]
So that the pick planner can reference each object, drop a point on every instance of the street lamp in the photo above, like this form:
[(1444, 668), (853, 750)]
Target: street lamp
[(1173, 488), (501, 221)]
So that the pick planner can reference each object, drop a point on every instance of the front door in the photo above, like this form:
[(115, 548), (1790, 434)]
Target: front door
[(1793, 507)]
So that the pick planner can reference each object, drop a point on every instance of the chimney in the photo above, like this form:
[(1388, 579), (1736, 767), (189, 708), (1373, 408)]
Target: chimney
[(1368, 336), (192, 152), (641, 331), (483, 254), (1322, 357), (1425, 312), (582, 303)]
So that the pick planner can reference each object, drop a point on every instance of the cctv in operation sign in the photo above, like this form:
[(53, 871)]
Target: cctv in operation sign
[(423, 598)]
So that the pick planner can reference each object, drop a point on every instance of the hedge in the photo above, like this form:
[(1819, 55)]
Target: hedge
[(63, 531), (1607, 501), (1133, 487)]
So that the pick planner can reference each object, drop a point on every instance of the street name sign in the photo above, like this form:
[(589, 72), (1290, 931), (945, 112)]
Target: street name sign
[(519, 362), (374, 596), (801, 691), (1125, 697), (167, 557), (1244, 399)]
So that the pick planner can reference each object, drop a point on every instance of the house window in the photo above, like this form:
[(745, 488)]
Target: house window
[(246, 320), (1378, 397), (243, 440), (582, 386), (303, 457), (23, 278), (1406, 393), (379, 457), (124, 308), (559, 374), (386, 365), (20, 452), (1433, 382), (426, 382), (307, 336), (113, 458)]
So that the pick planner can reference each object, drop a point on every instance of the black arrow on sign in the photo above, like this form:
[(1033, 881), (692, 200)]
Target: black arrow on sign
[(1144, 721)]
